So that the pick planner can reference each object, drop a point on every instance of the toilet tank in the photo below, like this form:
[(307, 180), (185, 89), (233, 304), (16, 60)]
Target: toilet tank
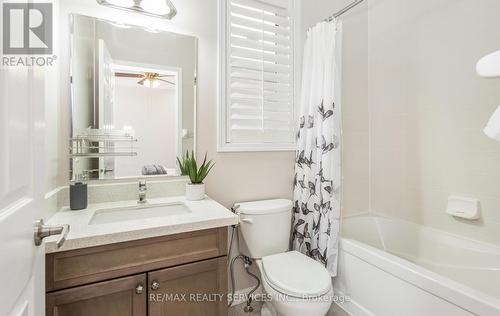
[(264, 227)]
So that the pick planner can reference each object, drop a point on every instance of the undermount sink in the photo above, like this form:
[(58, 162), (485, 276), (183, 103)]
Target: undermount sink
[(138, 212)]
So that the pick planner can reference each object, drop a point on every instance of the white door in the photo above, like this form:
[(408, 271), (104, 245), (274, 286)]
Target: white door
[(22, 99), (106, 105)]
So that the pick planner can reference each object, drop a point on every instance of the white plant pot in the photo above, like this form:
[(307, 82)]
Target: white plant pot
[(195, 192)]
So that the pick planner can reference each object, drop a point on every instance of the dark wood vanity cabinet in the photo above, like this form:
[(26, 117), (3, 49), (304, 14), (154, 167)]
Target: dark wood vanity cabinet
[(183, 274), (120, 297), (191, 289)]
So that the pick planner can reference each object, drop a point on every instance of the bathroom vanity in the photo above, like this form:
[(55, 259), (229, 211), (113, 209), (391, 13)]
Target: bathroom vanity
[(134, 250), (166, 265)]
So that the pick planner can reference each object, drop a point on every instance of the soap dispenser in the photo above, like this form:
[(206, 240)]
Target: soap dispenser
[(78, 198)]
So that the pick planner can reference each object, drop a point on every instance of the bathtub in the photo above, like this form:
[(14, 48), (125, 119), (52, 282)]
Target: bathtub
[(390, 267)]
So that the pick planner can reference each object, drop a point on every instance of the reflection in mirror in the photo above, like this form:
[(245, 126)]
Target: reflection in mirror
[(133, 99)]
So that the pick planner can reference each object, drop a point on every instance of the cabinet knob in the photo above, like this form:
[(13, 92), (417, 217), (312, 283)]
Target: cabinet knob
[(139, 289), (155, 285)]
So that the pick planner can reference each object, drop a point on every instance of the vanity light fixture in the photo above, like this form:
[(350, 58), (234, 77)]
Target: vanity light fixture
[(157, 8), (120, 25), (155, 31)]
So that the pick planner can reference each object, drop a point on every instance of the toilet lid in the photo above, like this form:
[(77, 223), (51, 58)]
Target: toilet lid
[(297, 275), (264, 207)]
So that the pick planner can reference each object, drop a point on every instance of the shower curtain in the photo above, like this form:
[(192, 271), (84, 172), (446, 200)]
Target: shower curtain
[(316, 216)]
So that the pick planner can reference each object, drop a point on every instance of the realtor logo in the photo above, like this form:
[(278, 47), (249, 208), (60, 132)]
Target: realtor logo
[(27, 29)]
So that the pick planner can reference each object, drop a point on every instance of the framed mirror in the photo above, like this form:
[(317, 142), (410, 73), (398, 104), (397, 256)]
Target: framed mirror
[(133, 94)]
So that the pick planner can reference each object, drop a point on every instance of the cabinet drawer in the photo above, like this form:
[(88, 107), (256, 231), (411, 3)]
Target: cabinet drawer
[(195, 289), (83, 266), (121, 297)]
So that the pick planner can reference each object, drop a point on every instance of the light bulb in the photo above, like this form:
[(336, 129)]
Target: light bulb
[(159, 7), (120, 25), (122, 3), (152, 30), (148, 83), (155, 84)]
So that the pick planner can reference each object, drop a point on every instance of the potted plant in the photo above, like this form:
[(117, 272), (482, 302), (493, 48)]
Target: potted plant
[(195, 190), (182, 162)]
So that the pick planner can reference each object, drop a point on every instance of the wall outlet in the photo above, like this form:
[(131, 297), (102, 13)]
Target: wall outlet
[(463, 207)]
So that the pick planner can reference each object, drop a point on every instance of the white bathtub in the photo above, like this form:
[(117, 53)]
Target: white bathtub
[(390, 267)]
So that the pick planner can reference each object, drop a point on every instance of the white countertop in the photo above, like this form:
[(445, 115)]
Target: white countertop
[(205, 214)]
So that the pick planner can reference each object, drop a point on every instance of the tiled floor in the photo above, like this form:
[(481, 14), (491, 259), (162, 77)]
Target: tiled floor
[(238, 310)]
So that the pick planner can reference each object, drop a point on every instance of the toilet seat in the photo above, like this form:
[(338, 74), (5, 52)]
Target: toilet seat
[(294, 274)]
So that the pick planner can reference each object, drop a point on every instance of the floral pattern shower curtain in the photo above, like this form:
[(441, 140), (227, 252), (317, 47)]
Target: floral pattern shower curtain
[(316, 217)]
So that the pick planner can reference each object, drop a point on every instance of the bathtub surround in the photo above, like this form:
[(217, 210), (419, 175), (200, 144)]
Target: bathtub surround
[(414, 110), (316, 216), (427, 110)]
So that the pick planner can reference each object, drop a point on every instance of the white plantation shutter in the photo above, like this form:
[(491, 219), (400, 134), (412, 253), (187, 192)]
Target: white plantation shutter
[(259, 83)]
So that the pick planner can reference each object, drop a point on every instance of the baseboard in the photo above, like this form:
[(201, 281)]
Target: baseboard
[(351, 307)]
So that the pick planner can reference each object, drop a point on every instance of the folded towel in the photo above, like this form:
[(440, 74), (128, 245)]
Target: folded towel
[(492, 129), (150, 170)]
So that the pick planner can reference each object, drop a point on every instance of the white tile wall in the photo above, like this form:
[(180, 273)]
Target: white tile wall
[(414, 110), (427, 109), (355, 151)]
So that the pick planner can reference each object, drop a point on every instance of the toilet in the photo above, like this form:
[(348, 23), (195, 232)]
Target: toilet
[(294, 284)]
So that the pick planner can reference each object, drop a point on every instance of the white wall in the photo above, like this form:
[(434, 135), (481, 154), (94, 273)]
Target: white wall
[(153, 116)]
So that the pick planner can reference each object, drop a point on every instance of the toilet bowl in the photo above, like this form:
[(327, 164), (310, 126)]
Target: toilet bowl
[(294, 284)]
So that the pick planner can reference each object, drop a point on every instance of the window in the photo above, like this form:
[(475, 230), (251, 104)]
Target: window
[(256, 104)]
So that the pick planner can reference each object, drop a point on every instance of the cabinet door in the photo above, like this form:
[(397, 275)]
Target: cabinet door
[(194, 289), (119, 297)]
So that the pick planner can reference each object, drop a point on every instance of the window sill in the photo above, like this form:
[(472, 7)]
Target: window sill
[(227, 148)]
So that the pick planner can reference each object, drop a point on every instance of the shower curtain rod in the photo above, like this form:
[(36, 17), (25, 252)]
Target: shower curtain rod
[(344, 10)]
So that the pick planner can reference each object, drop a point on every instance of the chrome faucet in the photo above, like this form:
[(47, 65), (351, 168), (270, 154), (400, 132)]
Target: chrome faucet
[(142, 192)]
